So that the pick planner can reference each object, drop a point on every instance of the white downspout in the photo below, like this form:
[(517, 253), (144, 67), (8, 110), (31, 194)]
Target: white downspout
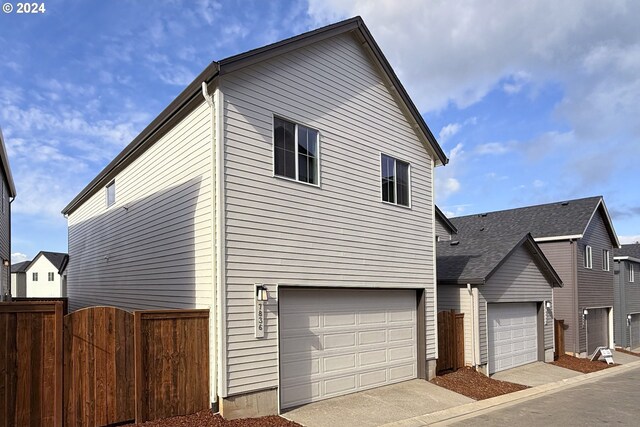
[(213, 363), (473, 325)]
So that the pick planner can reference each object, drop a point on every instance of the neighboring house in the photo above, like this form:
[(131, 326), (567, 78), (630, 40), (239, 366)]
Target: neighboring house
[(308, 171), (503, 283), (577, 237), (444, 228), (19, 279), (44, 275), (7, 194), (626, 311)]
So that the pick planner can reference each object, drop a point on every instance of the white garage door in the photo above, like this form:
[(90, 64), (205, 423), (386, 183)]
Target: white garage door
[(597, 329), (513, 335), (335, 342)]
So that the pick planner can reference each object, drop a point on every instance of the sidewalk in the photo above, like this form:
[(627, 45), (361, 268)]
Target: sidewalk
[(469, 410)]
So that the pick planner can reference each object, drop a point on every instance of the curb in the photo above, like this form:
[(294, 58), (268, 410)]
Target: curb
[(469, 410)]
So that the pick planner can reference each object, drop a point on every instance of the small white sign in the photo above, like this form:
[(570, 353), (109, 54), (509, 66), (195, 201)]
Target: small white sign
[(259, 315)]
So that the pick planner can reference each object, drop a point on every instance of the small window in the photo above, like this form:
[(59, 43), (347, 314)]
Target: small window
[(111, 193), (631, 273), (588, 257), (50, 276), (605, 260), (395, 181), (295, 151), (34, 276)]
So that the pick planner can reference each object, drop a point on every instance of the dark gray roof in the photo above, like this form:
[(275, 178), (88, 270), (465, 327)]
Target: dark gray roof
[(475, 254), (567, 218), (20, 267), (631, 250), (58, 259), (445, 220), (168, 117)]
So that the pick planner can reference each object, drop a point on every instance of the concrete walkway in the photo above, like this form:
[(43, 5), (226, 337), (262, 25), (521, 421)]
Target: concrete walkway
[(624, 358), (535, 374), (378, 406)]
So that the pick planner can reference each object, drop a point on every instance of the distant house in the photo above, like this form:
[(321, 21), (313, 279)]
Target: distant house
[(7, 194), (578, 238), (44, 275), (301, 172), (19, 279), (444, 228), (503, 284), (627, 296)]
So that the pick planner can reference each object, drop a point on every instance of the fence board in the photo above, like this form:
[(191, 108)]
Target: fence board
[(450, 341), (30, 363), (559, 335), (172, 360), (98, 367)]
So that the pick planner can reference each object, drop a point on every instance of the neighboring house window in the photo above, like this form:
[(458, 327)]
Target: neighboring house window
[(34, 276), (588, 257), (50, 277), (295, 151), (395, 181), (111, 193), (631, 273), (605, 260)]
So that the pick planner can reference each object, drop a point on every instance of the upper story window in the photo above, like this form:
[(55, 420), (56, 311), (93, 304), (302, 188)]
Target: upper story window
[(111, 193), (50, 277), (605, 260), (34, 277), (395, 181), (588, 257), (631, 273), (295, 151)]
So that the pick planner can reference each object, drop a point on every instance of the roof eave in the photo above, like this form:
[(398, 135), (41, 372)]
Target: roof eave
[(446, 220), (626, 258), (4, 158), (557, 238)]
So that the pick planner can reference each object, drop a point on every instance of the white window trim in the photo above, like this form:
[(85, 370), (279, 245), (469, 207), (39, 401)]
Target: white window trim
[(588, 257), (409, 206), (605, 260), (273, 151), (632, 273), (106, 193)]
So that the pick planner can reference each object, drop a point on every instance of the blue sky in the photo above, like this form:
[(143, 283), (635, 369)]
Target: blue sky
[(533, 102)]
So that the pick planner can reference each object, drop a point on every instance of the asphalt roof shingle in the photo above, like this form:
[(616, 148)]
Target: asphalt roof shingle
[(56, 258), (631, 250), (20, 267)]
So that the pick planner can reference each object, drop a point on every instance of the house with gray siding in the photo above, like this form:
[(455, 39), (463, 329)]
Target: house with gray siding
[(578, 238), (503, 284), (444, 228), (626, 312), (289, 189), (8, 193)]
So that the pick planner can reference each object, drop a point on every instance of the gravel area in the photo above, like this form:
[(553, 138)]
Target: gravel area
[(581, 365), (473, 384), (622, 350), (209, 419)]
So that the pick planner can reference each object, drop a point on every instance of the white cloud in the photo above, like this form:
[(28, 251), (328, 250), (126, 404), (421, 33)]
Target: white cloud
[(17, 257), (538, 183), (625, 240), (450, 185), (448, 131), (495, 147)]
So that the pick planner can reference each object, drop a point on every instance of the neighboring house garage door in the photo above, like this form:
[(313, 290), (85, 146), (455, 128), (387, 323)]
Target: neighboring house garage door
[(597, 329), (338, 341), (513, 335), (634, 331)]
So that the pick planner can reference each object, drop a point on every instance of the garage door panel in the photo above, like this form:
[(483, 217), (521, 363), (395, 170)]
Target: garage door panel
[(597, 329), (361, 339), (513, 335)]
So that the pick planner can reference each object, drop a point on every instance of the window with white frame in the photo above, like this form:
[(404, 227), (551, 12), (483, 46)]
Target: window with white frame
[(295, 151), (111, 193), (34, 277), (588, 257), (605, 259), (631, 273), (395, 181), (50, 277)]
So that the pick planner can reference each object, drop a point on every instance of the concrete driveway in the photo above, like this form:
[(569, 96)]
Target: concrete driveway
[(535, 374), (378, 406)]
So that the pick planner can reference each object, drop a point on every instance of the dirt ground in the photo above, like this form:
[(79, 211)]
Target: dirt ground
[(581, 365), (209, 419), (473, 384)]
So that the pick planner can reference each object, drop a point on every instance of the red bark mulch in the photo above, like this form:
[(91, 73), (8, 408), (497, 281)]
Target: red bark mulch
[(581, 365), (473, 384), (208, 419), (622, 350)]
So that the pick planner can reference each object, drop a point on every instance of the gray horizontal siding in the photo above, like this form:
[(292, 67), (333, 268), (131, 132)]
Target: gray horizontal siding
[(154, 247), (338, 234), (519, 279), (442, 231), (627, 299)]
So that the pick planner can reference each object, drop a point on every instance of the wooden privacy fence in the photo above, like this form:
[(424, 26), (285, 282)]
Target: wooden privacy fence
[(113, 366), (450, 341), (30, 364), (559, 335)]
